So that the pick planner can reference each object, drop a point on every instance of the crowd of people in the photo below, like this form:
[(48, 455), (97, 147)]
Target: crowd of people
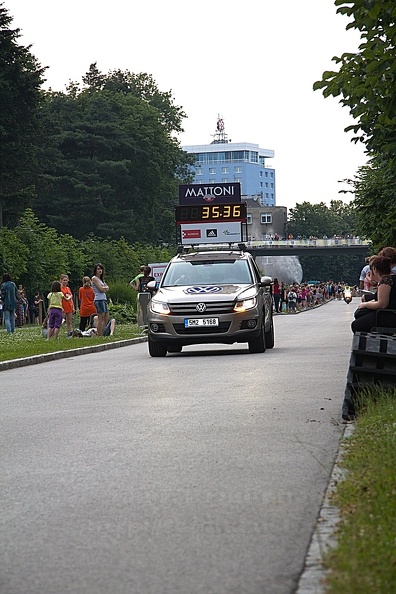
[(377, 285), (60, 306), (301, 296)]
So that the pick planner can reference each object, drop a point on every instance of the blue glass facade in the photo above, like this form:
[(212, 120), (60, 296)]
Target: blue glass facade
[(236, 162)]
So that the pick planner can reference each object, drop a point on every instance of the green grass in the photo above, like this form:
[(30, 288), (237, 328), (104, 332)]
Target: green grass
[(364, 560), (28, 341)]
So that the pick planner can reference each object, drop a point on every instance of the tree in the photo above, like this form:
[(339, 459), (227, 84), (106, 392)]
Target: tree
[(21, 77), (366, 82), (13, 254), (319, 220), (110, 164)]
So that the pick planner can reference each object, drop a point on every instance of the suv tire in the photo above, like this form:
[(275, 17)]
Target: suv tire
[(156, 349), (257, 345), (270, 337)]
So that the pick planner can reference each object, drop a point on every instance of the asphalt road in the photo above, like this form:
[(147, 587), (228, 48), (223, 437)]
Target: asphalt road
[(199, 473)]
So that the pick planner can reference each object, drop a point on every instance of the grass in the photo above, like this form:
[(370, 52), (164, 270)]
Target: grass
[(28, 341), (364, 560)]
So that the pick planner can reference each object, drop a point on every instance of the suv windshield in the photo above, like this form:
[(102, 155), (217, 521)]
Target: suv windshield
[(207, 273)]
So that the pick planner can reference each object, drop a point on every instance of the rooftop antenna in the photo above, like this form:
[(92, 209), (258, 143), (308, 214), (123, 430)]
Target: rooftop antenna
[(220, 137)]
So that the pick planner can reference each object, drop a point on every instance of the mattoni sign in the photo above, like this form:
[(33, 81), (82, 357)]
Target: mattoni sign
[(205, 193)]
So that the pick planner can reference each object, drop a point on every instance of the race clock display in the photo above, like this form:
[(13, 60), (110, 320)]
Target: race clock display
[(210, 212)]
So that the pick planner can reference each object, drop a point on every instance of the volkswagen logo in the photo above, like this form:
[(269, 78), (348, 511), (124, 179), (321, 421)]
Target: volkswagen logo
[(201, 307), (203, 290)]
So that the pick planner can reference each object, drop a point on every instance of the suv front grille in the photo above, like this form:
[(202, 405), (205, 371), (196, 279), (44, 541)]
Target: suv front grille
[(212, 308)]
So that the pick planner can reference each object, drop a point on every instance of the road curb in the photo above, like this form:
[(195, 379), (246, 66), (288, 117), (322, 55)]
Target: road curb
[(44, 358), (324, 536)]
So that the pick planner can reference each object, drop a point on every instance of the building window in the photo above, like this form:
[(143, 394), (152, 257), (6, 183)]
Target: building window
[(225, 180), (238, 169), (266, 195), (266, 218), (266, 174), (212, 170), (249, 218), (272, 174), (239, 180), (266, 184), (272, 185), (224, 170), (199, 171), (253, 156), (261, 184)]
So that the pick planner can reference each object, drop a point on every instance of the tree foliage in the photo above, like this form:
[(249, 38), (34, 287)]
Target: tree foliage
[(110, 164), (36, 255), (21, 77), (319, 220), (366, 83)]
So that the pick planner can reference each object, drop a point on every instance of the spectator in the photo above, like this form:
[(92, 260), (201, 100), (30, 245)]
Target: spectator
[(100, 289), (9, 297), (55, 310), (37, 304), (86, 296), (67, 303), (134, 281), (276, 291), (292, 300), (144, 280), (365, 315)]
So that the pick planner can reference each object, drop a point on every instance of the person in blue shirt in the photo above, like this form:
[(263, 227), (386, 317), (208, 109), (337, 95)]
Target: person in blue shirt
[(9, 297)]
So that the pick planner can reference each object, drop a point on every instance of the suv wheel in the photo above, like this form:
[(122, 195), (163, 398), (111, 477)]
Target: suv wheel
[(156, 349), (269, 336), (257, 345)]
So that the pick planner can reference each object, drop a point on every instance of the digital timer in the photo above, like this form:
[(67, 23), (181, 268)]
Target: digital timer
[(210, 212)]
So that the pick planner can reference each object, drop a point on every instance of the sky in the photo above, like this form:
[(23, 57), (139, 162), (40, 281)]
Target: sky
[(253, 63)]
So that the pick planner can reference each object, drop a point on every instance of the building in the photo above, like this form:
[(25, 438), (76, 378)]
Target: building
[(224, 161)]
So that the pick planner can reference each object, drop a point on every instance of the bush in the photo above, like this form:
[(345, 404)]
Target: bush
[(123, 313), (120, 292)]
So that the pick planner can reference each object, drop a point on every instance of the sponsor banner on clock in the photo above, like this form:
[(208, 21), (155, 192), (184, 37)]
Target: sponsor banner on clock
[(211, 232), (224, 193)]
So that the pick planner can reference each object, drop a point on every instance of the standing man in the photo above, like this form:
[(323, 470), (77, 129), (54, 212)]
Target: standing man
[(9, 297), (134, 282)]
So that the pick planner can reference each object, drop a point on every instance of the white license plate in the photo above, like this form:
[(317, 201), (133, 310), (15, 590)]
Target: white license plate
[(194, 322)]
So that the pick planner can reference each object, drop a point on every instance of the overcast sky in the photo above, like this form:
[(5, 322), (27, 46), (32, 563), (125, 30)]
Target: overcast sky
[(253, 62)]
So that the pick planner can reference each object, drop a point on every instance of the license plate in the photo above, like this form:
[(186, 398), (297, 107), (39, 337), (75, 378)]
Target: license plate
[(194, 322)]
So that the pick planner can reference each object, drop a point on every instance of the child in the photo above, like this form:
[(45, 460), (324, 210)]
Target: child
[(55, 310), (86, 296), (67, 303)]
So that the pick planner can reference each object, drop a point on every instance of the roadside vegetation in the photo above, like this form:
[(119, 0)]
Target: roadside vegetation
[(28, 341), (364, 560)]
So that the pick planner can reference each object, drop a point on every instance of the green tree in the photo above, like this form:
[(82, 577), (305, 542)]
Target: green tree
[(110, 163), (21, 77), (365, 81), (319, 220), (13, 254)]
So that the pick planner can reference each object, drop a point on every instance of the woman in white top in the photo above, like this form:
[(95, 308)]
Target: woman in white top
[(100, 289)]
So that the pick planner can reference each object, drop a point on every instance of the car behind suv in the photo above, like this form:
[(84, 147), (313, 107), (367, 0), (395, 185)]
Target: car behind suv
[(211, 297)]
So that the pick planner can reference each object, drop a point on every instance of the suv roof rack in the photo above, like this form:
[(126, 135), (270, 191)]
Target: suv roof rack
[(215, 247)]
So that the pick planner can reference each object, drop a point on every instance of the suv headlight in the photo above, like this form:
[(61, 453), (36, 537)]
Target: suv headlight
[(159, 307), (245, 304)]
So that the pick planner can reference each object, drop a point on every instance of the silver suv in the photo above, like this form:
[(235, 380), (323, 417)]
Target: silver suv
[(211, 297)]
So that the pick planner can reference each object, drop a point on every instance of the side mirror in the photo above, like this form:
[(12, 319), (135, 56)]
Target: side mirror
[(152, 285), (266, 281)]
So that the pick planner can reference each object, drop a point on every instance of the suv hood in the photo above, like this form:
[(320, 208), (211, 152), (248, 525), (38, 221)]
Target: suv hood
[(207, 292)]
